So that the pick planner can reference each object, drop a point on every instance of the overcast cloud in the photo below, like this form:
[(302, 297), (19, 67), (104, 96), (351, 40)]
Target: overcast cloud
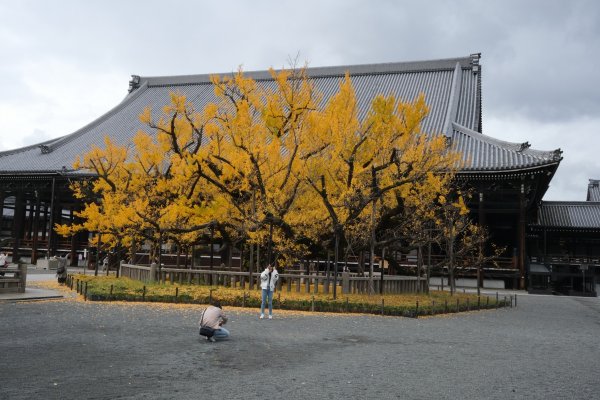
[(65, 63)]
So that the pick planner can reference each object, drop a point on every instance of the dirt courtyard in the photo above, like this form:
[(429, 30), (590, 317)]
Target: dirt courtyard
[(546, 348)]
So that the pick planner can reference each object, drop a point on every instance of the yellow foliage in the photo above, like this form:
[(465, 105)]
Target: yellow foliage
[(264, 163)]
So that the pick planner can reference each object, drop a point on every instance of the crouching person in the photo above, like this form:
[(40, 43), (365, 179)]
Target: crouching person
[(211, 323)]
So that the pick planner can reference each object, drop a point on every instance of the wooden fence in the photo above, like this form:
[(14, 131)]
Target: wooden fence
[(309, 283)]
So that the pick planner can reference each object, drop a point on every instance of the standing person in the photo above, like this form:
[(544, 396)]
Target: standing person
[(214, 317), (268, 280)]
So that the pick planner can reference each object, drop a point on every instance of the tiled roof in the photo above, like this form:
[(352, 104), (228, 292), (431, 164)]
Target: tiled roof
[(484, 153), (593, 193), (569, 215), (451, 88)]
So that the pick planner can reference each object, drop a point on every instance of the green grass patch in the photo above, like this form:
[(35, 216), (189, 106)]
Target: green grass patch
[(110, 288)]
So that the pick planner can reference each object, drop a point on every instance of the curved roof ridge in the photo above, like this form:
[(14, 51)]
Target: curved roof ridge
[(31, 146), (53, 144), (317, 72), (453, 100), (523, 148)]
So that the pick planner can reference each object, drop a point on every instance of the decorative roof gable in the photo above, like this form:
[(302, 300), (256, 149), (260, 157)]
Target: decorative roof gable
[(593, 193)]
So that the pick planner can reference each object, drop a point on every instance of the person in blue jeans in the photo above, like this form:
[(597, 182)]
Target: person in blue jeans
[(215, 318), (268, 280)]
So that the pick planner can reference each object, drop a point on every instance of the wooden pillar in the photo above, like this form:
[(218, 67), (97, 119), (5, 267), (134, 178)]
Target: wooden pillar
[(49, 228), (545, 247), (522, 221), (18, 222), (1, 208), (482, 224), (36, 226), (73, 241), (481, 210), (55, 218), (45, 223), (31, 208)]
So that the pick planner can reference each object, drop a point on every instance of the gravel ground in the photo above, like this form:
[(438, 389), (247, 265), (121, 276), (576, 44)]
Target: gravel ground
[(546, 348)]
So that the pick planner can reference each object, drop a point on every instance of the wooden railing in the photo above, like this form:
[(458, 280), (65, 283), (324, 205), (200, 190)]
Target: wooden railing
[(566, 259), (309, 283)]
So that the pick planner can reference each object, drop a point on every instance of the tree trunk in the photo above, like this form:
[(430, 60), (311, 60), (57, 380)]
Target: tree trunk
[(335, 262), (419, 265), (428, 271), (251, 266), (372, 252), (451, 282)]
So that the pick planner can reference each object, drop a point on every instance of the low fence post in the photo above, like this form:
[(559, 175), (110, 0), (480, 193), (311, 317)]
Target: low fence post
[(153, 267), (22, 275), (345, 282)]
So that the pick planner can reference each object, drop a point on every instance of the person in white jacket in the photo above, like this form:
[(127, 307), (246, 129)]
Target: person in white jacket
[(268, 280)]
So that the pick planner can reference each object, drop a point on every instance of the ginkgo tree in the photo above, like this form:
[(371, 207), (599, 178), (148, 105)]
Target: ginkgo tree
[(258, 139), (277, 166), (412, 223), (371, 160), (231, 166), (142, 192)]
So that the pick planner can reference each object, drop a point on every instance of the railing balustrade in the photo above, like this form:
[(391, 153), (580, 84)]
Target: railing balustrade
[(310, 283)]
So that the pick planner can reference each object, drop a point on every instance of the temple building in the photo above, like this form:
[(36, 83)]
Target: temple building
[(509, 179), (564, 246)]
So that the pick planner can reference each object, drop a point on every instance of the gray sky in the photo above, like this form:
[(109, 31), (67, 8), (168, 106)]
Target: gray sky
[(65, 63)]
